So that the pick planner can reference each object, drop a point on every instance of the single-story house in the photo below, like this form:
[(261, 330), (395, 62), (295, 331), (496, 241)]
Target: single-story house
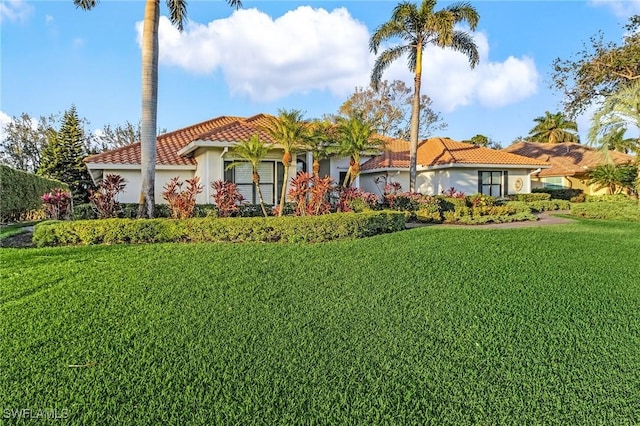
[(443, 163), (570, 164), (203, 150)]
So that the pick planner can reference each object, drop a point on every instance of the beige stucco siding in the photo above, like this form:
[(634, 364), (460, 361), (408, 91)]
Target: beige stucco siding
[(133, 179)]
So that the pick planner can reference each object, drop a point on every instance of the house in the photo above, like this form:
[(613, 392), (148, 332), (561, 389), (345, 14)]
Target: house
[(570, 164), (203, 150), (443, 163)]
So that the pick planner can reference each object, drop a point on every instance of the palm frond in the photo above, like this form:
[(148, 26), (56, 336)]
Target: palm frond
[(384, 60), (177, 13), (289, 129), (386, 31), (235, 3), (464, 12), (85, 4), (462, 42)]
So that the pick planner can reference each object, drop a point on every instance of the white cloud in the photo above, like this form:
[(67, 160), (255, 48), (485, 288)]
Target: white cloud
[(450, 81), (313, 49), (48, 19), (4, 120), (620, 8), (15, 10), (266, 59), (78, 42)]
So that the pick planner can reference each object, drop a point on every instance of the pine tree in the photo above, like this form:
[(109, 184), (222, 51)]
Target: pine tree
[(62, 158)]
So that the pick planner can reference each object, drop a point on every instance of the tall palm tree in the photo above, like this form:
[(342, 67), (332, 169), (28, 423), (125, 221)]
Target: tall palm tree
[(553, 128), (177, 15), (619, 110), (355, 137), (419, 26), (614, 140), (289, 130), (253, 151)]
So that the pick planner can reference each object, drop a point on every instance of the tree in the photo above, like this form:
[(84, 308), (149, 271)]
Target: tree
[(618, 111), (24, 139), (289, 130), (177, 15), (388, 107), (318, 141), (112, 137), (616, 178), (614, 140), (554, 128), (419, 26), (63, 155), (253, 151), (355, 137), (484, 141), (598, 70)]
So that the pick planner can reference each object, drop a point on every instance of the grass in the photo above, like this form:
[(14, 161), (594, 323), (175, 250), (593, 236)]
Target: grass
[(427, 326)]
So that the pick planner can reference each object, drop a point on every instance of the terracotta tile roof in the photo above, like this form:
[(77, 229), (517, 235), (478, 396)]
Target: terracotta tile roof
[(566, 159), (443, 151), (169, 144), (238, 130)]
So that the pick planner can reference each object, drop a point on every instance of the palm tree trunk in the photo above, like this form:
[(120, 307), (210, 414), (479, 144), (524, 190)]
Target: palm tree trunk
[(415, 120), (316, 167), (149, 106), (256, 182), (283, 193)]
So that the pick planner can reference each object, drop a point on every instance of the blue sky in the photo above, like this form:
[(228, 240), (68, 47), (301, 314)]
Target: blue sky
[(308, 55)]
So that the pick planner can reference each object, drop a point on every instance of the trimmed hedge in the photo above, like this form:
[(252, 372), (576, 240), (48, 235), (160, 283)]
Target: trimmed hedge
[(625, 211), (20, 194), (540, 196), (615, 198), (273, 229), (560, 194)]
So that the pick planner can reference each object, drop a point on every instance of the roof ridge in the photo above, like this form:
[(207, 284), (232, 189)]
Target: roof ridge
[(183, 129), (111, 151)]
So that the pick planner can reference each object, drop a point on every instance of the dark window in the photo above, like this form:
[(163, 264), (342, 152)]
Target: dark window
[(341, 178), (491, 183), (242, 176)]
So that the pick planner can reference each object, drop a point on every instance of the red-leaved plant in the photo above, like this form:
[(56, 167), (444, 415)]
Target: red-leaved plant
[(346, 195), (310, 193), (451, 192), (105, 199), (181, 202), (226, 197), (57, 204)]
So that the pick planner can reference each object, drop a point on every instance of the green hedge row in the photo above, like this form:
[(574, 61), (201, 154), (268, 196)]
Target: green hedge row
[(626, 211), (272, 229), (20, 194), (568, 194)]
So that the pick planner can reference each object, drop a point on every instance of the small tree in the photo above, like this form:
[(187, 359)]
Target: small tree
[(253, 151), (615, 178), (57, 204), (226, 197), (62, 158)]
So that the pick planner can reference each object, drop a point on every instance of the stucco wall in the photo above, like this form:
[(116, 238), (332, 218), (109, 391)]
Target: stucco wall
[(368, 184), (573, 183), (131, 192)]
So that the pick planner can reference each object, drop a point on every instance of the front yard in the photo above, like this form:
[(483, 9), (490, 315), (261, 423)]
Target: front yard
[(431, 325)]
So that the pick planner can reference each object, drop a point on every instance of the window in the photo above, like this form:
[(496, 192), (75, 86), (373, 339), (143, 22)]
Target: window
[(242, 176), (341, 178), (553, 182), (492, 183)]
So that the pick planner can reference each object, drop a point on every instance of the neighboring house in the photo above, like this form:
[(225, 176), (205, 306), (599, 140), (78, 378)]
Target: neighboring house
[(570, 164), (203, 150), (443, 164)]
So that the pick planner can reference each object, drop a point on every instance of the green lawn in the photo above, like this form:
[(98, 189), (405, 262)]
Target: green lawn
[(433, 325)]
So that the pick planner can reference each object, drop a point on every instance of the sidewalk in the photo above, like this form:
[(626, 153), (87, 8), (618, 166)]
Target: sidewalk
[(545, 218)]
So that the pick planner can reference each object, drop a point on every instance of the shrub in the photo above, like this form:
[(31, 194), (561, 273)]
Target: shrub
[(559, 194), (57, 204), (310, 194), (182, 202), (627, 211), (360, 199), (615, 198), (21, 192), (226, 197), (543, 206), (105, 199), (272, 229), (540, 196), (451, 192)]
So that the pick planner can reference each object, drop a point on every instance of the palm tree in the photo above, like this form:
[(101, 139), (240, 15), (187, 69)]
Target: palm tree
[(553, 128), (317, 142), (614, 140), (355, 137), (253, 151), (289, 130), (177, 15), (619, 110), (419, 26)]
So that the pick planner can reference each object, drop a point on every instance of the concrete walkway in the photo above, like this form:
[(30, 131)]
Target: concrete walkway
[(545, 218)]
